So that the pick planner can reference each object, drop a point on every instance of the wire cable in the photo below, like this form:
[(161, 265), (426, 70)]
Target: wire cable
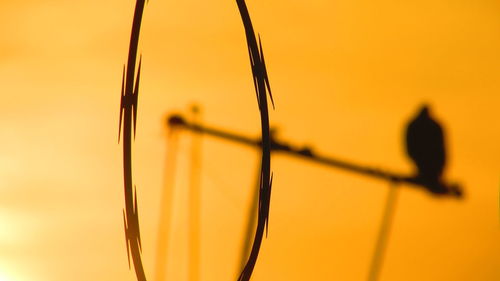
[(384, 231), (165, 216), (195, 201)]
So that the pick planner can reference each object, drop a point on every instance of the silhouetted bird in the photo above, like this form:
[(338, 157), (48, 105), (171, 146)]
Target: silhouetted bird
[(425, 146)]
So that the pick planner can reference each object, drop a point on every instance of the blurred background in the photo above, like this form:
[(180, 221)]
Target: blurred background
[(346, 78)]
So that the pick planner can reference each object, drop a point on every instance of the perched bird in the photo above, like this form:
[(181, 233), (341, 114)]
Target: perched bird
[(425, 146)]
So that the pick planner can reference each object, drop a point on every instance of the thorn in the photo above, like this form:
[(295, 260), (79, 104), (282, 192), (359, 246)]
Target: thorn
[(121, 105), (269, 206), (126, 238), (135, 200), (135, 95), (136, 216), (266, 78), (252, 64), (260, 194)]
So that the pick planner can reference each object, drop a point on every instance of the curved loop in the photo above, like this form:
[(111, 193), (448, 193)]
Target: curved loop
[(128, 116), (261, 83)]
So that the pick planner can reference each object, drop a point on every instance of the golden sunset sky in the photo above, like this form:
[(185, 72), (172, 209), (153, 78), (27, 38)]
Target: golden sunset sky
[(346, 78)]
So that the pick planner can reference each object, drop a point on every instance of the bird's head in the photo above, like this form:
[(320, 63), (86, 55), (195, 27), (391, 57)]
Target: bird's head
[(424, 110)]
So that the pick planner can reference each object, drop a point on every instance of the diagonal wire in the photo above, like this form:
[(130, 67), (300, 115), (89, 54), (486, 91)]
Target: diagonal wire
[(165, 217), (384, 231), (194, 202), (251, 222)]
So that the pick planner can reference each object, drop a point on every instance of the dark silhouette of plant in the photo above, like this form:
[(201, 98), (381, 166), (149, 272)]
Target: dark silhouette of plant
[(128, 115), (261, 83)]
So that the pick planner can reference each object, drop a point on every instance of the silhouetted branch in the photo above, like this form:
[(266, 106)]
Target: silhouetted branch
[(128, 116), (308, 154)]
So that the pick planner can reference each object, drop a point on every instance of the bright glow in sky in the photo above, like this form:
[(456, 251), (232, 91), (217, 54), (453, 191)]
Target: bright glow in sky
[(346, 77)]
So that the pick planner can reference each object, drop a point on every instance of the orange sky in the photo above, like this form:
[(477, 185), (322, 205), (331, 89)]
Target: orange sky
[(346, 76)]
